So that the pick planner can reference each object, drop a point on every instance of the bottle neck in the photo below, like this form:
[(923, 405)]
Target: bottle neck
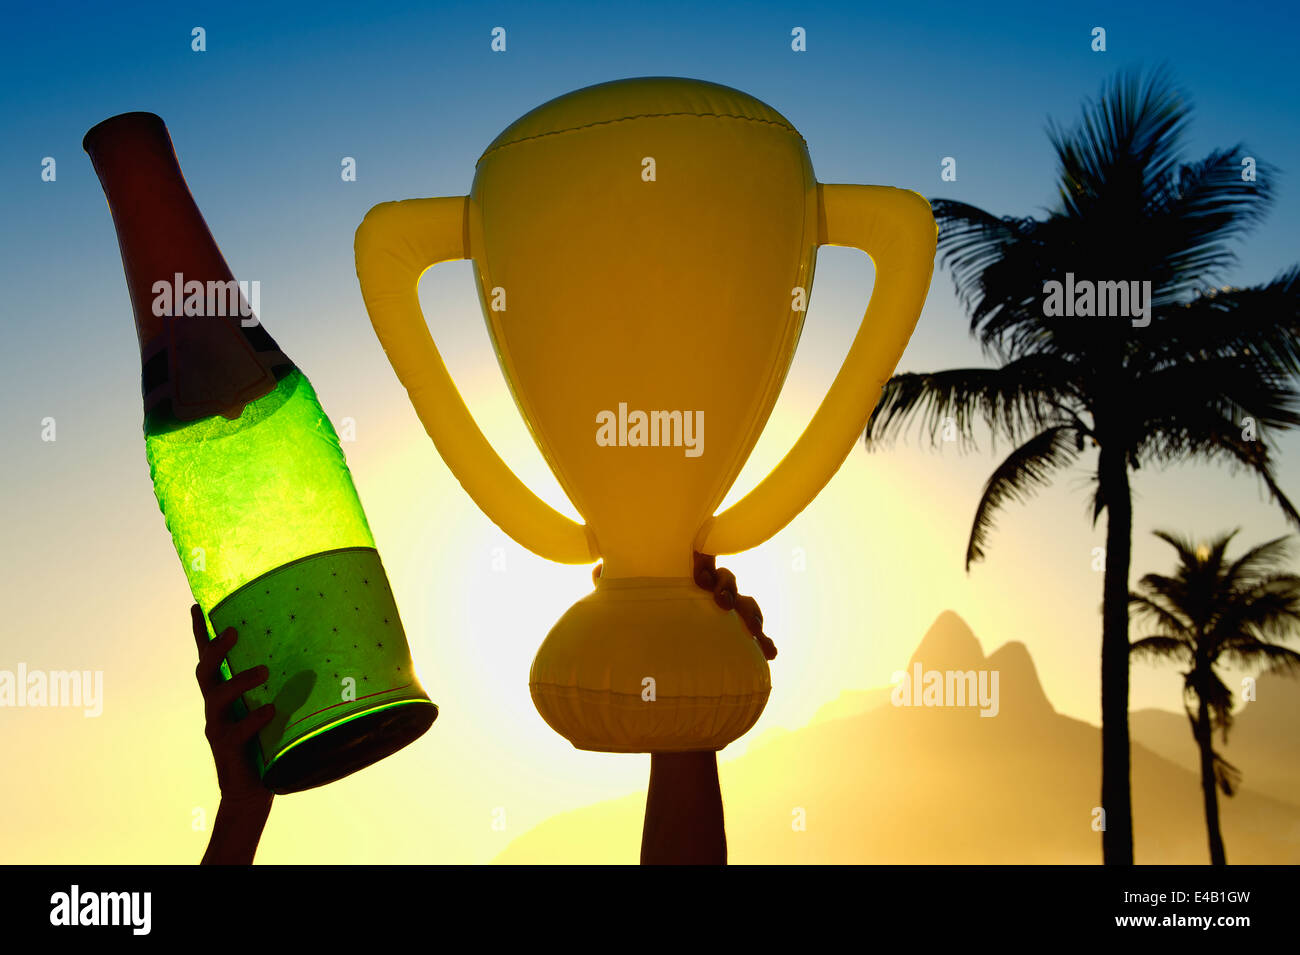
[(202, 350), (160, 229)]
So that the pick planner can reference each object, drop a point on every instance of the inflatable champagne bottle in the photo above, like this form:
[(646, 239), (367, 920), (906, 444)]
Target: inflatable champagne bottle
[(252, 482)]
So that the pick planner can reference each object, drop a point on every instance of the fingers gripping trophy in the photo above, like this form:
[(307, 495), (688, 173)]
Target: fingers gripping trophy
[(644, 251)]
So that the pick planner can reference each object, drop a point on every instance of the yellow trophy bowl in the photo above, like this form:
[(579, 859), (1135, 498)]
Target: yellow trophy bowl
[(644, 252)]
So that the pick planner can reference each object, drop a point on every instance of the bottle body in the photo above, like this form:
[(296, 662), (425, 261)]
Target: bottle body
[(254, 488), (274, 542), (242, 497)]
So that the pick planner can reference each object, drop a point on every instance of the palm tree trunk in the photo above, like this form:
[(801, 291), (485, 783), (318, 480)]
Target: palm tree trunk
[(1209, 786), (1117, 837)]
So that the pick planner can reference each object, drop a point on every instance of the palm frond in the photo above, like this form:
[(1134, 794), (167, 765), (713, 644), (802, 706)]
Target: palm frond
[(1165, 619), (1204, 684), (1279, 659), (1257, 563), (1162, 648), (972, 240), (1124, 147), (1012, 401), (1226, 775), (1208, 435), (1197, 211), (1183, 546), (1027, 469), (1255, 457), (1194, 401), (989, 257), (1257, 326)]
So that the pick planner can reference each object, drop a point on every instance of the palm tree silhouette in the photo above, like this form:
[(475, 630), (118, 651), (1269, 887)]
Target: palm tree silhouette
[(1210, 377), (1210, 610)]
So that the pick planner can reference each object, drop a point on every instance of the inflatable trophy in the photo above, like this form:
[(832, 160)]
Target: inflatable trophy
[(644, 252), (252, 482)]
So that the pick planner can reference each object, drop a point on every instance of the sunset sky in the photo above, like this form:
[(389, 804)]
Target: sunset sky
[(261, 122)]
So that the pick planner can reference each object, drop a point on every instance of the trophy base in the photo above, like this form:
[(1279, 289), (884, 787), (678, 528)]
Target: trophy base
[(649, 665)]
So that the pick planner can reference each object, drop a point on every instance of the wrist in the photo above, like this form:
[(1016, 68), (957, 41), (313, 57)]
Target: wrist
[(249, 803), (238, 829)]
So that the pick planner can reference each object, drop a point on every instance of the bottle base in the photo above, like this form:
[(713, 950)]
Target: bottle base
[(349, 745)]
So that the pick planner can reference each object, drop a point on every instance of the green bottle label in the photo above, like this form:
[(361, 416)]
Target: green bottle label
[(327, 629)]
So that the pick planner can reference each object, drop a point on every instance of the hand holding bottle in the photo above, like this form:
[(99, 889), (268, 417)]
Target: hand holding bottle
[(245, 801)]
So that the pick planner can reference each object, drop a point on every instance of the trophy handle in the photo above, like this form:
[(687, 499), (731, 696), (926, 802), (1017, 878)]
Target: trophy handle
[(395, 244), (896, 228)]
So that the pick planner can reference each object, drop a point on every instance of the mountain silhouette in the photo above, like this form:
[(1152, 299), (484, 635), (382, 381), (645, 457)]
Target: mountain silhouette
[(949, 643), (918, 784), (1021, 691)]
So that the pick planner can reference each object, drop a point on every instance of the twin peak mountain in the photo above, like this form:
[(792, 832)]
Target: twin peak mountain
[(949, 645)]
